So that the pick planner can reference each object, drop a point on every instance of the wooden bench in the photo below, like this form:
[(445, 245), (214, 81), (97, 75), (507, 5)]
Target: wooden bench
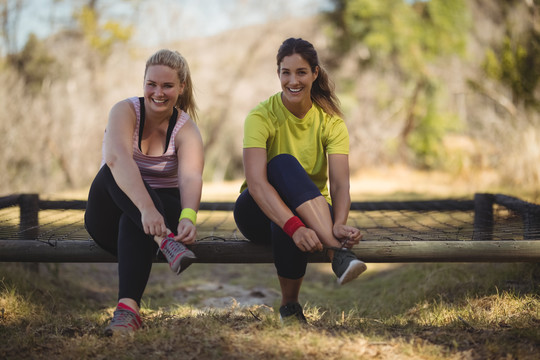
[(394, 231)]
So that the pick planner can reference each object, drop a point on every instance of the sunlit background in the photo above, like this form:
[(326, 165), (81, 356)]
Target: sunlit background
[(160, 22), (434, 92)]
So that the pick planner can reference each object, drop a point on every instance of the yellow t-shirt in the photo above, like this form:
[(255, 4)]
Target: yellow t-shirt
[(272, 127)]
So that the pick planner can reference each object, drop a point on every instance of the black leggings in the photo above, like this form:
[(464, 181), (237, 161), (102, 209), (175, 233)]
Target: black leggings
[(114, 222), (294, 187)]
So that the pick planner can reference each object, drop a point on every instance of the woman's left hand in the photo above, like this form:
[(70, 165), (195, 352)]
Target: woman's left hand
[(187, 232), (348, 235)]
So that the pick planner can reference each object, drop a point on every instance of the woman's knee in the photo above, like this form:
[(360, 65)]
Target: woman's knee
[(283, 162), (291, 181)]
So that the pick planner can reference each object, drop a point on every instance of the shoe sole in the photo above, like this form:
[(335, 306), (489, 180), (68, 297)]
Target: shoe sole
[(185, 261), (355, 268)]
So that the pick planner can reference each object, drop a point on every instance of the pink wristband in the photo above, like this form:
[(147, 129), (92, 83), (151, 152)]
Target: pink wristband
[(292, 225)]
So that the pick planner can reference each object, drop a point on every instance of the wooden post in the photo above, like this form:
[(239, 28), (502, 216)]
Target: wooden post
[(29, 221), (483, 217), (29, 216)]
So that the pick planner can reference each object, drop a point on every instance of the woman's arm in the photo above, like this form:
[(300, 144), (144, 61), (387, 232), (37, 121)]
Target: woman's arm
[(338, 169), (190, 168), (261, 190), (119, 158), (269, 201)]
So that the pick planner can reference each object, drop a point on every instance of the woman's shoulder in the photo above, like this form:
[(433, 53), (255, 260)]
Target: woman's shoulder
[(185, 124), (268, 108), (132, 102), (184, 120), (125, 109), (326, 117)]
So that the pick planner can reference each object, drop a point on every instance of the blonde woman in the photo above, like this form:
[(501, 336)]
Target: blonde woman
[(147, 193)]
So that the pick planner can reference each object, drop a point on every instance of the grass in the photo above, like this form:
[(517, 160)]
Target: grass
[(228, 311), (403, 311)]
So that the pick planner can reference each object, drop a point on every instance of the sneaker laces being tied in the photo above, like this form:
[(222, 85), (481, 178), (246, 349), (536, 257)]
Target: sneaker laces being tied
[(177, 254)]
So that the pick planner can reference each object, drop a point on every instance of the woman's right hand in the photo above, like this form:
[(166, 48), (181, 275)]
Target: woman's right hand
[(153, 222), (307, 240)]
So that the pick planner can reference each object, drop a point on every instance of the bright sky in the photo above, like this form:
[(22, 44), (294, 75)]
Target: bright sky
[(168, 20)]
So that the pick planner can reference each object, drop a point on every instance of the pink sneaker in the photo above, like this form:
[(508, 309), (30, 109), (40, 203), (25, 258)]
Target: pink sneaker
[(125, 320), (178, 256)]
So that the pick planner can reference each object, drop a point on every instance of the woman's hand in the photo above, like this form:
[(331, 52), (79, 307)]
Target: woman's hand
[(187, 232), (307, 240), (348, 235), (153, 222)]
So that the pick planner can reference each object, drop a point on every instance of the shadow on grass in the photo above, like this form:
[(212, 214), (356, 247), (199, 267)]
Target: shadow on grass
[(474, 310)]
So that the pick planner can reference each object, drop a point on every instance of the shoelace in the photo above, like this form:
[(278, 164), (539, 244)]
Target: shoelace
[(336, 248), (172, 248), (125, 318)]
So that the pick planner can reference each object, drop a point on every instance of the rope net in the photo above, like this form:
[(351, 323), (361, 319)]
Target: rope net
[(216, 223)]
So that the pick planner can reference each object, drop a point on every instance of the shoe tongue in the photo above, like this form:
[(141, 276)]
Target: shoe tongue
[(169, 237)]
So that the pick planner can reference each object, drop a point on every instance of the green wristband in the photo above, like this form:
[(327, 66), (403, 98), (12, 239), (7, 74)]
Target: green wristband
[(190, 214)]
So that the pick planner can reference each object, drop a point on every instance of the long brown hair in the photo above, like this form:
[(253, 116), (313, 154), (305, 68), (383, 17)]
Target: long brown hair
[(322, 90)]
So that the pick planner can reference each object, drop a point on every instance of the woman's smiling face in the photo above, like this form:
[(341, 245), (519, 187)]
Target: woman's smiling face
[(161, 88), (296, 80)]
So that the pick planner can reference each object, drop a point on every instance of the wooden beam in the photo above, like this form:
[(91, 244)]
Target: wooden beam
[(423, 205), (241, 252)]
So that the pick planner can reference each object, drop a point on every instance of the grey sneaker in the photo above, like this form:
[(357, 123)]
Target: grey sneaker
[(346, 266), (124, 321), (178, 256), (292, 311)]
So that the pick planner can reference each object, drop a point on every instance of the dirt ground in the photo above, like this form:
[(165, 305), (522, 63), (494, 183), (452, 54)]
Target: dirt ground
[(203, 286)]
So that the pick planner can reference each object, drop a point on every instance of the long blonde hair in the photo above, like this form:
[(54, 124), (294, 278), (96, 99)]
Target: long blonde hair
[(178, 63)]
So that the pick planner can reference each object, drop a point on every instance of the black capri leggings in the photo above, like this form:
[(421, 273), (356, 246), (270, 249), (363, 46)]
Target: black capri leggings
[(294, 187), (114, 222)]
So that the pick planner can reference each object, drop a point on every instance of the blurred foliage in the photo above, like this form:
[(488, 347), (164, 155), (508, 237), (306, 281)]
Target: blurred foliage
[(407, 38), (51, 80), (34, 63), (10, 13), (515, 61), (398, 65), (410, 34), (428, 136), (101, 37)]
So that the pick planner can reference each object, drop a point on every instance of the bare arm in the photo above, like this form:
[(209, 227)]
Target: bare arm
[(119, 158), (261, 190), (338, 169), (190, 167), (266, 196)]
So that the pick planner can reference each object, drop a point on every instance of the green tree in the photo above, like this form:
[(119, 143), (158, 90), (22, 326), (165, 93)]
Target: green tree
[(407, 37), (514, 62)]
